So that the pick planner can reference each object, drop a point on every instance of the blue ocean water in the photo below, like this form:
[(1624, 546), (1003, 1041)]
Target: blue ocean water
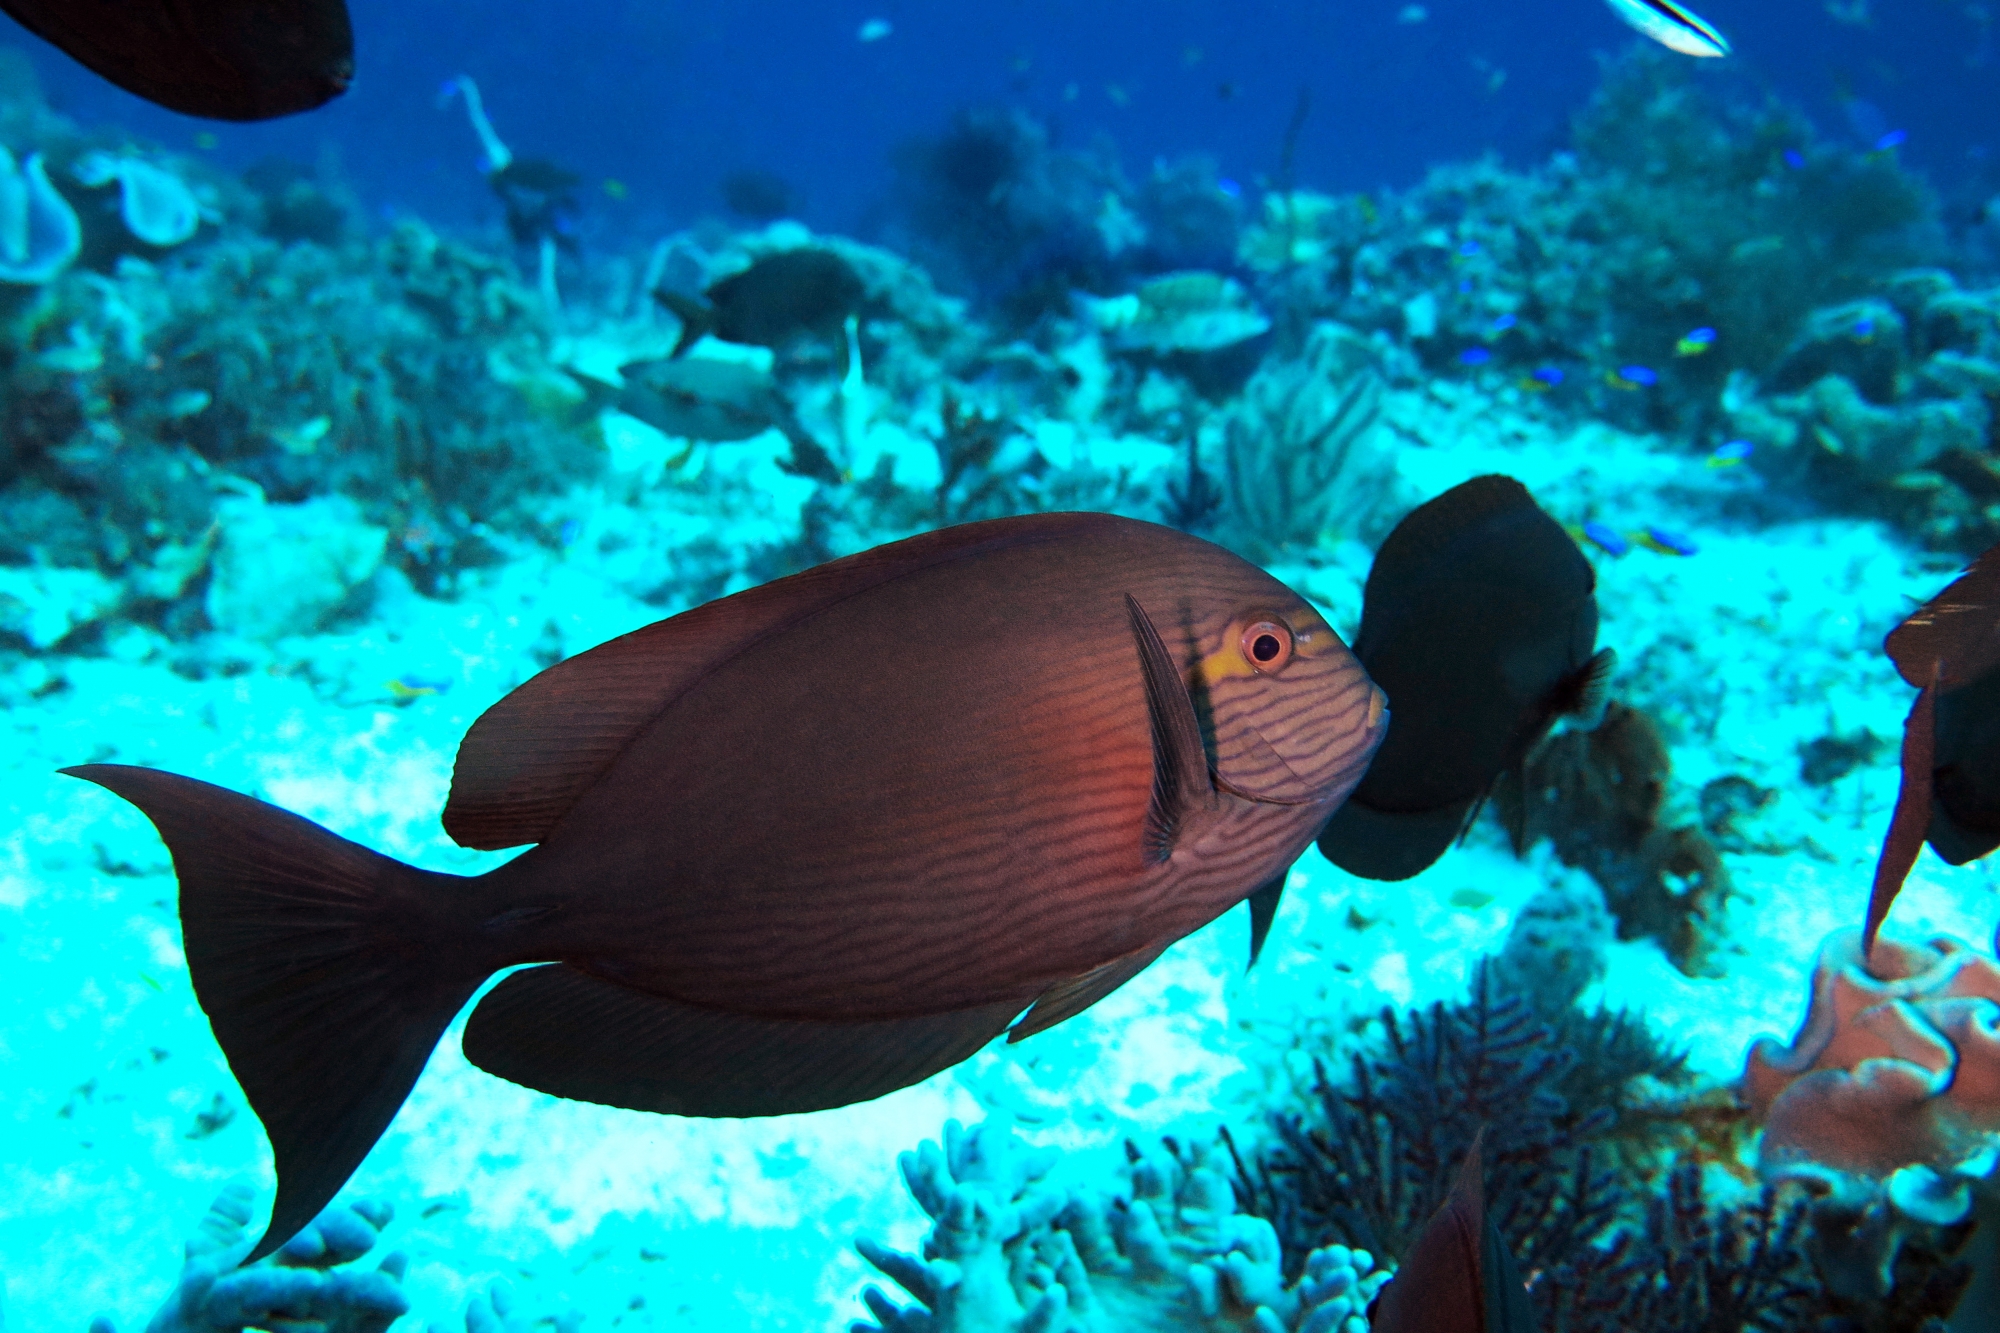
[(321, 437)]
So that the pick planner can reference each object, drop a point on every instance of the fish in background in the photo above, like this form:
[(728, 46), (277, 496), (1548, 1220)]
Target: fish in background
[(1673, 26), (794, 294), (704, 398), (223, 59), (1479, 621), (1949, 648), (795, 848), (1459, 1277)]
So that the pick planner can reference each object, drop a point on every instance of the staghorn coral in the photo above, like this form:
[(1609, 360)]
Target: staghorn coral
[(1009, 1253), (306, 1287)]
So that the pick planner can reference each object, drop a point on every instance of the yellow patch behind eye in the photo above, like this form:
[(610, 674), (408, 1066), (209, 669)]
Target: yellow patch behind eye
[(1310, 635)]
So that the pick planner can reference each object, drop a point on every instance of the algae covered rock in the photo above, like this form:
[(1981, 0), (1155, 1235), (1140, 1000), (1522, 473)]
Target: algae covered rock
[(284, 569), (43, 605)]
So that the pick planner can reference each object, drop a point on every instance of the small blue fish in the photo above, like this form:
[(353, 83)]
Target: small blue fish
[(1795, 159), (1632, 377), (1468, 248), (1501, 323), (1550, 376), (1668, 542), (1695, 341), (1476, 356), (1673, 26), (1730, 453), (571, 530), (1863, 330), (1605, 538), (1890, 140), (1230, 188)]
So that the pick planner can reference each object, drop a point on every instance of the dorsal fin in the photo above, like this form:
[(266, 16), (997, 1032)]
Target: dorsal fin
[(530, 756), (1180, 763)]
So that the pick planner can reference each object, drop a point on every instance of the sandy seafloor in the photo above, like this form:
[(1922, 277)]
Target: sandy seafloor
[(1768, 637)]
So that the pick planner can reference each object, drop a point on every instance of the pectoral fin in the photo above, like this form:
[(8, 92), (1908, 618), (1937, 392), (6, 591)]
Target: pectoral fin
[(1181, 782)]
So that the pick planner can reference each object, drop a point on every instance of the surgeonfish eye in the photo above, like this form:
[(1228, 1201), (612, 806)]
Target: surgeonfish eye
[(1267, 646)]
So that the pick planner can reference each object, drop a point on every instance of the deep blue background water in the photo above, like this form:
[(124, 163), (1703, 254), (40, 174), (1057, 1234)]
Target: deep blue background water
[(666, 98)]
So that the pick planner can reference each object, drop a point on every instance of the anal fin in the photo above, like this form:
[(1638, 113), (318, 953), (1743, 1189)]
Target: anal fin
[(565, 1032), (1066, 999)]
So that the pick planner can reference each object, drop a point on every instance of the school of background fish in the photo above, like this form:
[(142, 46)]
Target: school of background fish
[(1615, 468)]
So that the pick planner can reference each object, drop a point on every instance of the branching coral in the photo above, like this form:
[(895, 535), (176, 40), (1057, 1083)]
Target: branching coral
[(1009, 1253), (306, 1285), (1371, 1158)]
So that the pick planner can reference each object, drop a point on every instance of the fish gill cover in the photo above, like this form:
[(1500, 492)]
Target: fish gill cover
[(337, 457)]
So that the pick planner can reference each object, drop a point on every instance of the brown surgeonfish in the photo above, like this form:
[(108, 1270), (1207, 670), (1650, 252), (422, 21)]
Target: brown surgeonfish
[(223, 59), (795, 848), (1459, 1277), (1479, 621)]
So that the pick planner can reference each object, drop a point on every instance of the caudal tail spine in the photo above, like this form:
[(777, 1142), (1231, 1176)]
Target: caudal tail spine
[(327, 971)]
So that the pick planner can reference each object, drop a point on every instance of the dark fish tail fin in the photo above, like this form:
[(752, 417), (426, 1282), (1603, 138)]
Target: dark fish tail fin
[(327, 971), (697, 317)]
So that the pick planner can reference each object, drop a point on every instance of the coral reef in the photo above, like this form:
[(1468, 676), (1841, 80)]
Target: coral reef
[(1601, 797), (1301, 458), (308, 1283), (1369, 1158), (1010, 1253)]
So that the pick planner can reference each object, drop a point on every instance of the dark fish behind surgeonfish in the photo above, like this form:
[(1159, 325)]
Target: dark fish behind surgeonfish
[(700, 398), (1949, 648), (795, 848), (794, 294), (1480, 623), (223, 59), (1459, 1277)]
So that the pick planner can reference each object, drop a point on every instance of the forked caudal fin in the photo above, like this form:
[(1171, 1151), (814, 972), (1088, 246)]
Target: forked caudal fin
[(327, 971)]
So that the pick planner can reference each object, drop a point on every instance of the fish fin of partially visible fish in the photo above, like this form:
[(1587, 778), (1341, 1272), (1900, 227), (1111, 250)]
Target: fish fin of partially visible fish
[(528, 758), (1067, 999), (1263, 911), (325, 978), (1181, 782), (241, 60), (697, 318), (1910, 824), (1960, 627), (1390, 845), (565, 1032), (1592, 689)]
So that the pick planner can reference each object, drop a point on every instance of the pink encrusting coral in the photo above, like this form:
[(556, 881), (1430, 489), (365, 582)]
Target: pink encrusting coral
[(1897, 1062)]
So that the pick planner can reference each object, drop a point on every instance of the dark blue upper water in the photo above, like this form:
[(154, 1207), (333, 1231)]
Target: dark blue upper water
[(668, 98)]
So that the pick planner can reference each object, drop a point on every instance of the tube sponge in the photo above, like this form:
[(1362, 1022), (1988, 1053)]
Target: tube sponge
[(39, 232)]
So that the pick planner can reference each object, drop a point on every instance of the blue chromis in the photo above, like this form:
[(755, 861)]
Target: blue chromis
[(1667, 542), (1542, 379), (1695, 341), (1632, 377), (1730, 453), (1475, 356), (1605, 538), (1673, 26)]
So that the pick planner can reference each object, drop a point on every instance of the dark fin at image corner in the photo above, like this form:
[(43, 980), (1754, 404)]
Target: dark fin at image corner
[(233, 60), (326, 991)]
